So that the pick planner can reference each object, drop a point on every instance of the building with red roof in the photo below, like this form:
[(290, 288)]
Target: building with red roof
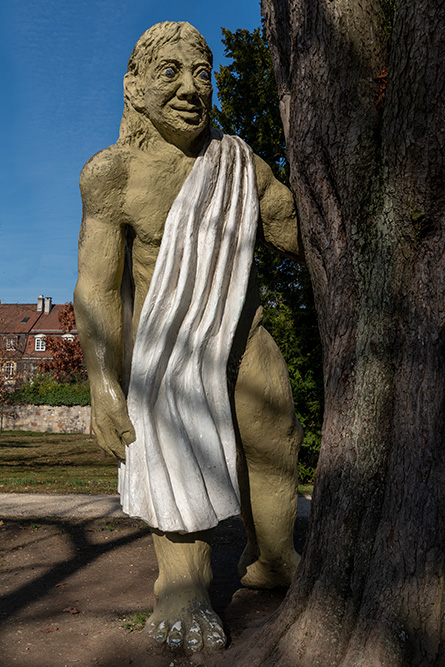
[(24, 328)]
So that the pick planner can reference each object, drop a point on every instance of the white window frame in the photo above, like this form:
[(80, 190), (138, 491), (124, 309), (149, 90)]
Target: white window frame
[(10, 343), (68, 337), (9, 370), (39, 343)]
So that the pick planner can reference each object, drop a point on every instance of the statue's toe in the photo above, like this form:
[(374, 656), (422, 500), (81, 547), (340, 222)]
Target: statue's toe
[(214, 636), (175, 638), (158, 631), (194, 640)]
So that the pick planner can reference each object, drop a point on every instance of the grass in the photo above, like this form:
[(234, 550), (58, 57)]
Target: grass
[(54, 463), (305, 489), (59, 463), (136, 621)]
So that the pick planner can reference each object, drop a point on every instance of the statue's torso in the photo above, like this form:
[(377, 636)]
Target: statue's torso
[(147, 184), (153, 183)]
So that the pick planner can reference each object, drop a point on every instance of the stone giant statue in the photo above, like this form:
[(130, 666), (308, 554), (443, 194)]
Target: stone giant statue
[(189, 391)]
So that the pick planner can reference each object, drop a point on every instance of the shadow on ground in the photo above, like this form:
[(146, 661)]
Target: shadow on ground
[(70, 587)]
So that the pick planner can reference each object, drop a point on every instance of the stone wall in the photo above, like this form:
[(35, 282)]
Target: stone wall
[(49, 419)]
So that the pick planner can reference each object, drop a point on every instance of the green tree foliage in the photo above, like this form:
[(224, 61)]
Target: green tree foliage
[(389, 10), (249, 108), (248, 97)]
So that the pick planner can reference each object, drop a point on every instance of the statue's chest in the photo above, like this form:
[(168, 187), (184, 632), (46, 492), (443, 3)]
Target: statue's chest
[(152, 187)]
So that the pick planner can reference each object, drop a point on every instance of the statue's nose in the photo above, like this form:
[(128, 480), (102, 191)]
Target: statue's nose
[(187, 86)]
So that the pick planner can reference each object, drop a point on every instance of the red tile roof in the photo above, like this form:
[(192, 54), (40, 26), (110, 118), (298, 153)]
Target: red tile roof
[(13, 316), (49, 322), (16, 318)]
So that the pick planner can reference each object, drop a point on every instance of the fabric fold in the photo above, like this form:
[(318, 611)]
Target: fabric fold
[(180, 473)]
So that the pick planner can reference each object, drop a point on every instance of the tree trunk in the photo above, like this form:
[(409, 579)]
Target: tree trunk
[(368, 176)]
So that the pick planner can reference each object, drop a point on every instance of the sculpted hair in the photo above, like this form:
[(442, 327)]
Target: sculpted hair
[(133, 127), (150, 42)]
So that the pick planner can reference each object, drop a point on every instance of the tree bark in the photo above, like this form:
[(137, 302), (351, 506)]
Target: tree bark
[(368, 177)]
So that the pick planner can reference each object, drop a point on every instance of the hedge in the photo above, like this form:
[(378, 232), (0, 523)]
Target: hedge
[(43, 389)]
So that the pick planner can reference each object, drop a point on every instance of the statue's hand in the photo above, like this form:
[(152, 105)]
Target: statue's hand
[(111, 422)]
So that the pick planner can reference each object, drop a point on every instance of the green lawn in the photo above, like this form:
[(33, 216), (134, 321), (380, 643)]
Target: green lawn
[(58, 463), (54, 463)]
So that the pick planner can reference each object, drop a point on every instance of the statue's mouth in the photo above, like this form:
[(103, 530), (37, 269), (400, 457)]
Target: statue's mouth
[(186, 109), (190, 115)]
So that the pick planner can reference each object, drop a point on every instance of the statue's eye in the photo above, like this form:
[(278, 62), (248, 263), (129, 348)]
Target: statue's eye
[(169, 73), (204, 75)]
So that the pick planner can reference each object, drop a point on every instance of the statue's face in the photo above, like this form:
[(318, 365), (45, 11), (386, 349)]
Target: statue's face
[(178, 94)]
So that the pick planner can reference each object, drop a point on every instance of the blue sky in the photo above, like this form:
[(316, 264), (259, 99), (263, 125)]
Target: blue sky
[(61, 69)]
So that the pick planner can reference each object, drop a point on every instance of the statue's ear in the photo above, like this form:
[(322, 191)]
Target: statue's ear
[(133, 91)]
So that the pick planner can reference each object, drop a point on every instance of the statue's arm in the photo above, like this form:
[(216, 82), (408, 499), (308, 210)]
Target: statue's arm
[(98, 304), (278, 217)]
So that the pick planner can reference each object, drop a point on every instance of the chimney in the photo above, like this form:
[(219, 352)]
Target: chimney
[(40, 304), (48, 304)]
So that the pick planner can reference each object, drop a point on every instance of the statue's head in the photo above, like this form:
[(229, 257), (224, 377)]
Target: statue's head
[(169, 81)]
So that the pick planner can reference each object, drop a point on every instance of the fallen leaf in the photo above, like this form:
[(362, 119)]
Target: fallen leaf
[(1, 522), (71, 610), (60, 585), (49, 629)]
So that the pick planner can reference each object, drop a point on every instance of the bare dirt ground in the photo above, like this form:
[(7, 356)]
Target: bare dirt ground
[(69, 587)]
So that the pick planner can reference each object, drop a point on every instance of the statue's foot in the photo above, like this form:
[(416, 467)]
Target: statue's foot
[(256, 572), (187, 623)]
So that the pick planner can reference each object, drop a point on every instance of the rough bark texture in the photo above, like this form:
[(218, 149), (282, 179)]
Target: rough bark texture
[(368, 179)]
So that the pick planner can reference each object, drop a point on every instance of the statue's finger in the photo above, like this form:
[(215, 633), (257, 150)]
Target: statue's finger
[(128, 436), (119, 449)]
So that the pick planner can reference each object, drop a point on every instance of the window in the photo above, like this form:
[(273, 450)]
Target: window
[(40, 345), (9, 369), (10, 343), (68, 337)]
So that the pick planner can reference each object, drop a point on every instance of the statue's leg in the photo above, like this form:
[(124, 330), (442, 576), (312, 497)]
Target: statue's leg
[(183, 617), (271, 436)]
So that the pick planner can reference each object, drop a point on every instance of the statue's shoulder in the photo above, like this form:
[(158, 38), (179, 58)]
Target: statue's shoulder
[(106, 169), (264, 175)]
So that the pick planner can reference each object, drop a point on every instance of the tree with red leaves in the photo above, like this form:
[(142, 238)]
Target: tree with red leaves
[(67, 363)]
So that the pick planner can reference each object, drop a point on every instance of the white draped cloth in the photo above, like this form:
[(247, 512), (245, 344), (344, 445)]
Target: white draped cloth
[(180, 473)]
